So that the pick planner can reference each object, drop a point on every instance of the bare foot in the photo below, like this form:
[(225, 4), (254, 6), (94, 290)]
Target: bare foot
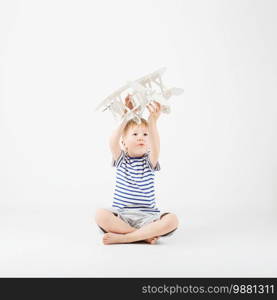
[(114, 238), (152, 240)]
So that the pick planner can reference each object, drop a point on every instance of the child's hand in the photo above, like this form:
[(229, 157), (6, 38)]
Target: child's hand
[(154, 110), (128, 102)]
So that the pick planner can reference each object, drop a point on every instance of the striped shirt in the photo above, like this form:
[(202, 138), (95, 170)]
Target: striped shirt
[(134, 186)]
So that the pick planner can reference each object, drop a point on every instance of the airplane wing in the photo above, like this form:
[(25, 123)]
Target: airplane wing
[(108, 100)]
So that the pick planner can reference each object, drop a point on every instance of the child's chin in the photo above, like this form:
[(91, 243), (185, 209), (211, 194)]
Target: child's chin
[(141, 152)]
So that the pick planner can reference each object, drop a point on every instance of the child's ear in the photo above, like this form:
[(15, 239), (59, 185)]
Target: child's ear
[(122, 141)]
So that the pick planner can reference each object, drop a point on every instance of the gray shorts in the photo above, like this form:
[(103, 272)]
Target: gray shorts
[(137, 218)]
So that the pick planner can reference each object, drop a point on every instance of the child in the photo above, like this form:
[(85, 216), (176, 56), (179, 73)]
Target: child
[(134, 215)]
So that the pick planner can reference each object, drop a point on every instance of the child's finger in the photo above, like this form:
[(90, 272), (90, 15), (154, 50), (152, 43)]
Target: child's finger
[(158, 105), (154, 106), (150, 107), (127, 99)]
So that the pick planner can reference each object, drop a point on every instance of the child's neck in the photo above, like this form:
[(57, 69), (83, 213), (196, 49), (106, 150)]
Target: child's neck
[(132, 155)]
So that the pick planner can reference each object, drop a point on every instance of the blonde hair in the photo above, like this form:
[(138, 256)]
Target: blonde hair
[(132, 123)]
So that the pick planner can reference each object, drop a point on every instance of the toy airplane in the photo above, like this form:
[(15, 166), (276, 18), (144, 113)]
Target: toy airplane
[(142, 93)]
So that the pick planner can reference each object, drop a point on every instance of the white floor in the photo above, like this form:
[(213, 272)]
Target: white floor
[(51, 242)]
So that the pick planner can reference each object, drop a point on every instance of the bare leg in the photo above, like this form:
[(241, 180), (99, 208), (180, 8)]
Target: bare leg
[(157, 228), (111, 223)]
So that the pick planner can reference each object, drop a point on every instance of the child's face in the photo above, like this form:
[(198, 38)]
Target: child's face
[(136, 140)]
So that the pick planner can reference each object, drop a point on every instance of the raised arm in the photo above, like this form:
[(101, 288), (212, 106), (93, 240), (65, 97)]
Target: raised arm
[(154, 138), (154, 142), (115, 139), (117, 133)]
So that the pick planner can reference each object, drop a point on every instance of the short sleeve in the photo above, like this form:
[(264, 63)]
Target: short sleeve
[(117, 163), (153, 169)]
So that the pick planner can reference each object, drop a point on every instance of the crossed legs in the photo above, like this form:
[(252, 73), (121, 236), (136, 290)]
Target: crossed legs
[(120, 232), (111, 223)]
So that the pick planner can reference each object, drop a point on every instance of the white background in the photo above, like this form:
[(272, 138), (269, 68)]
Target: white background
[(59, 59)]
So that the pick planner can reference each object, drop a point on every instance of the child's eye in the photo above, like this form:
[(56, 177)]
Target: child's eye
[(146, 134), (134, 133)]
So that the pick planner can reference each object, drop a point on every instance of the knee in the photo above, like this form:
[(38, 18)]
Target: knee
[(101, 215), (171, 221)]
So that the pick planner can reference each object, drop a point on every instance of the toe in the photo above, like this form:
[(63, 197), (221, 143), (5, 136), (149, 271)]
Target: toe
[(153, 241)]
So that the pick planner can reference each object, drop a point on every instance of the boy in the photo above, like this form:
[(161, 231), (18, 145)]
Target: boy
[(134, 215)]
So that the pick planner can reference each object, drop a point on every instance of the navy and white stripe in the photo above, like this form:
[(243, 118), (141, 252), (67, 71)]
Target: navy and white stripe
[(134, 186)]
